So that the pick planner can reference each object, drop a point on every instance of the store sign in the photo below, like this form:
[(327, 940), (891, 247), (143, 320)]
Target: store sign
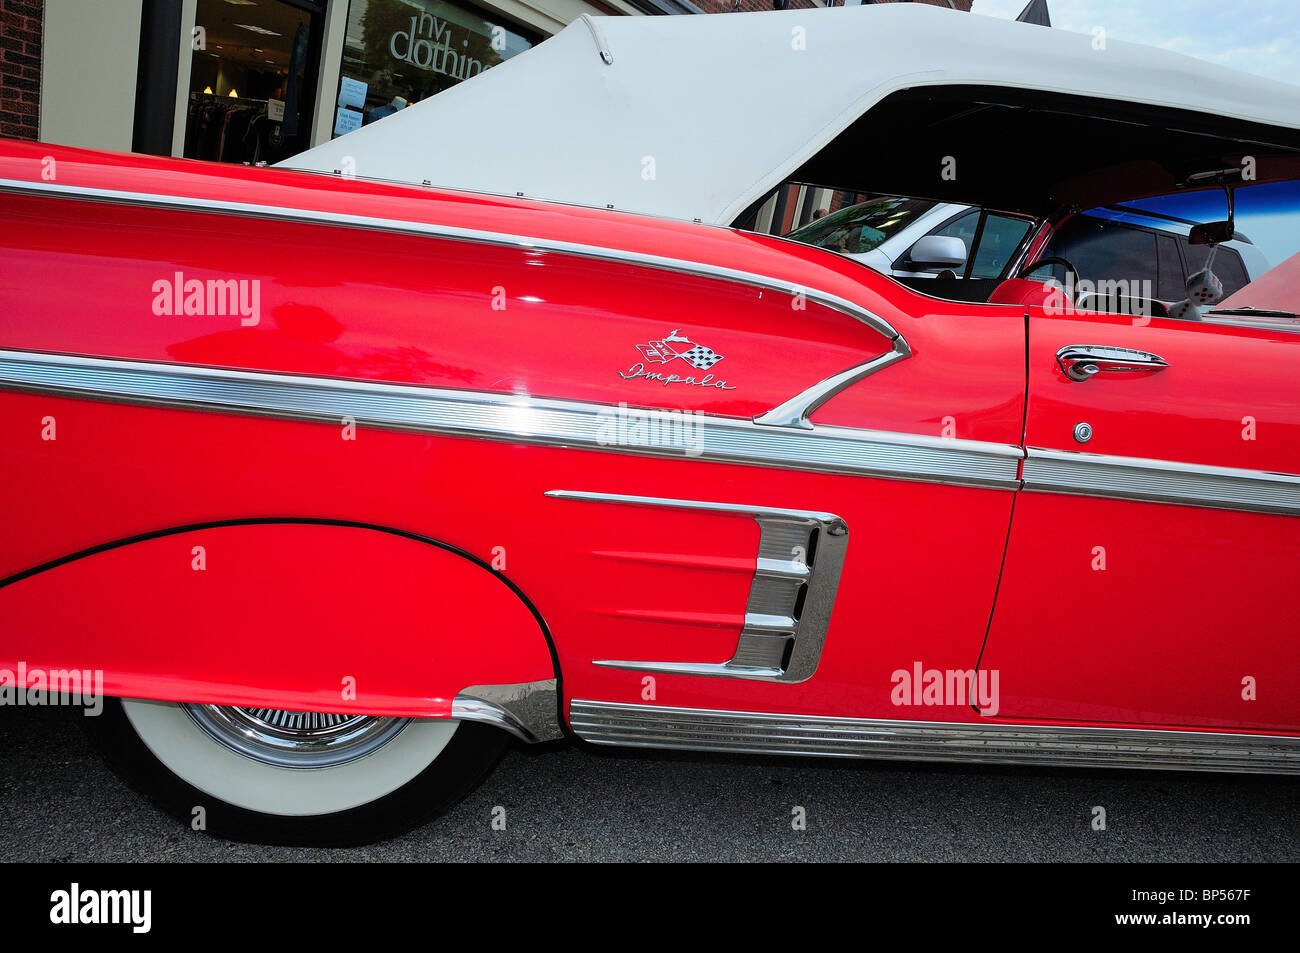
[(428, 43), (346, 120), (352, 92)]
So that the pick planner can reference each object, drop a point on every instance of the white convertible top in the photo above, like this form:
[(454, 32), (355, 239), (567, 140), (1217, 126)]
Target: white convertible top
[(697, 117)]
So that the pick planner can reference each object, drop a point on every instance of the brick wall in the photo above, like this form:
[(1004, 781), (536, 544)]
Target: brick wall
[(749, 6), (20, 67)]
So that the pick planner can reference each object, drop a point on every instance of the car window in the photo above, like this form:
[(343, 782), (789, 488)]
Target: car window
[(962, 227), (860, 228), (1170, 281), (1227, 265), (1104, 251), (1001, 237), (1269, 213)]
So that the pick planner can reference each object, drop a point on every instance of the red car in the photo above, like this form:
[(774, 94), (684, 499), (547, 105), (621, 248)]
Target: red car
[(334, 483)]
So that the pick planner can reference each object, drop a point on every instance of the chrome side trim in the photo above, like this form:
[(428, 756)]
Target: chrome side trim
[(796, 411), (741, 509), (1158, 481), (1259, 323), (509, 417), (528, 710), (549, 422), (796, 548), (432, 230), (651, 726)]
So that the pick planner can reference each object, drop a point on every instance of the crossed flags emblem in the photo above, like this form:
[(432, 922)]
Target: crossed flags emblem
[(673, 346)]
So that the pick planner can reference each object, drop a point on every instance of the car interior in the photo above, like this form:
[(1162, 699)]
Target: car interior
[(1117, 152)]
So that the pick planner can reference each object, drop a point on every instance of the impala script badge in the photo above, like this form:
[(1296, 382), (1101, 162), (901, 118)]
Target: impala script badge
[(673, 347)]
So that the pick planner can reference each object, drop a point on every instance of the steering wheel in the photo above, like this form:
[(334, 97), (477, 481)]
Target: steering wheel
[(1071, 273)]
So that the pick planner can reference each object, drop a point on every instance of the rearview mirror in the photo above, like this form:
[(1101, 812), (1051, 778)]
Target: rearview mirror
[(938, 251), (1211, 233)]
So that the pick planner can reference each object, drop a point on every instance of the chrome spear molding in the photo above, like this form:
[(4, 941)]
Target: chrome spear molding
[(796, 411), (577, 424), (1159, 481), (509, 417)]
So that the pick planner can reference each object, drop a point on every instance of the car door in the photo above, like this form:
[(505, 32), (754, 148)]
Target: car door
[(1154, 554), (702, 575)]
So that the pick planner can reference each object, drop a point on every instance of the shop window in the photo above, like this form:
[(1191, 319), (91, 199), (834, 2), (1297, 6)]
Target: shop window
[(252, 80), (398, 52)]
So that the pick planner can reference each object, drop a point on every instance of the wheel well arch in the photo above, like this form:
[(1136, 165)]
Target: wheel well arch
[(481, 688)]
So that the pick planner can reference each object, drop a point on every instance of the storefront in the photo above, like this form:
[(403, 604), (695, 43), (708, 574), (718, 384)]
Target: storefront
[(398, 52), (261, 80), (254, 73), (252, 80), (257, 81)]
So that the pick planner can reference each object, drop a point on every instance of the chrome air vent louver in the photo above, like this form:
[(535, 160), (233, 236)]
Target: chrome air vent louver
[(778, 597), (797, 573)]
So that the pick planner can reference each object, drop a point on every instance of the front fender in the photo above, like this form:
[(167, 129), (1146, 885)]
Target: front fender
[(315, 615)]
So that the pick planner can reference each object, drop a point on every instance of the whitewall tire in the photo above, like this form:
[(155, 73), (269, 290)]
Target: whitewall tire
[(273, 776)]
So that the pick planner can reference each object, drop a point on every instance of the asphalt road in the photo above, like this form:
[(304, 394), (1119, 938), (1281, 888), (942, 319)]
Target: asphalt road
[(59, 803)]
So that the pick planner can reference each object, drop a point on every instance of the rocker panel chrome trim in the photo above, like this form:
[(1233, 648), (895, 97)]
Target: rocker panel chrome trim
[(650, 726), (1159, 481), (763, 636), (513, 418), (455, 233)]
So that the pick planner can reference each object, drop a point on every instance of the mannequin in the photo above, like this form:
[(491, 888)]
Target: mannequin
[(380, 112)]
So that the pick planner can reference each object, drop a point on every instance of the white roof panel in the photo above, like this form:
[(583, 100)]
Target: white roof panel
[(697, 117)]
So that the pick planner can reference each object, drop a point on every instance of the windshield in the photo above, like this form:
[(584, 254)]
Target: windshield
[(860, 228)]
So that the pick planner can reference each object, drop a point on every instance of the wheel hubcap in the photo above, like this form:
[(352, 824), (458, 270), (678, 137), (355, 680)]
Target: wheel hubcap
[(296, 739)]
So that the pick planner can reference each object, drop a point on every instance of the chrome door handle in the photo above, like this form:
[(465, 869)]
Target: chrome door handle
[(1082, 361)]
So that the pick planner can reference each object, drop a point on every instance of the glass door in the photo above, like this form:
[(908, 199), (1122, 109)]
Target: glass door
[(253, 80)]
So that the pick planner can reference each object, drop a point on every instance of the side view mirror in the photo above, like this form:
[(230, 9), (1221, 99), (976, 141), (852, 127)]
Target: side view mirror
[(1211, 233), (938, 251)]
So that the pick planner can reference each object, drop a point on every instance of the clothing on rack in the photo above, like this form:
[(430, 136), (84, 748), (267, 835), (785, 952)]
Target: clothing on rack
[(220, 129)]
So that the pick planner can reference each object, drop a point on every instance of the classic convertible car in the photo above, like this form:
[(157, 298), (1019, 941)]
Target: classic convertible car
[(342, 475)]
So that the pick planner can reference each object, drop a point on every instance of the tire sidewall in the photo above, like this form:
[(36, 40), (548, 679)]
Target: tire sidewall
[(462, 763)]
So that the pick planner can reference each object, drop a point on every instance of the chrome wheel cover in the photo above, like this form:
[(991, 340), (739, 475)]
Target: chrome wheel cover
[(296, 739)]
